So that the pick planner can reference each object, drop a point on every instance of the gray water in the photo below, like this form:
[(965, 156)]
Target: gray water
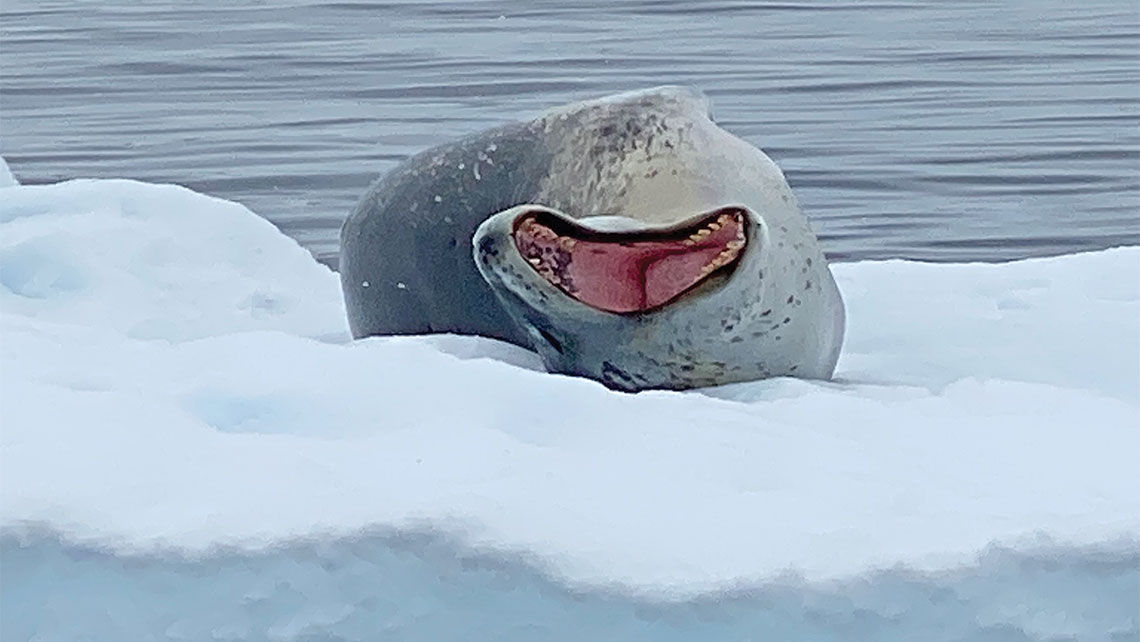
[(951, 130)]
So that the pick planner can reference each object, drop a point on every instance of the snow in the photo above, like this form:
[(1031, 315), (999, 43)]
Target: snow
[(182, 408), (6, 177)]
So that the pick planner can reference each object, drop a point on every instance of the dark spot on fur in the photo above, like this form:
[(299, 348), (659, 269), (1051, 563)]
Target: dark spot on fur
[(487, 246), (791, 298), (554, 343), (615, 377), (766, 312), (787, 320)]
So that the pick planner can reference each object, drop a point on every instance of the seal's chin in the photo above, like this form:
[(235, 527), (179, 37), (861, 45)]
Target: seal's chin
[(632, 271)]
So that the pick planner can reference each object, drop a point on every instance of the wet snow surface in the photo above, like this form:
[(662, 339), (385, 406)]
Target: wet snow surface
[(193, 449)]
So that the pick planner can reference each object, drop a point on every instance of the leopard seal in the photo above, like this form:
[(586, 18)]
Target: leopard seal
[(627, 239)]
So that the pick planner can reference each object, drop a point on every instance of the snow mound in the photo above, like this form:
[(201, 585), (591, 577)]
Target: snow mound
[(6, 177), (182, 412), (156, 262)]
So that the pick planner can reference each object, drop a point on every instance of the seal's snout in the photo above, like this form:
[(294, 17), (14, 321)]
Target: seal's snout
[(630, 271)]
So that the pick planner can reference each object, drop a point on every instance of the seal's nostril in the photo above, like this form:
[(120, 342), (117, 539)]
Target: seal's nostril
[(486, 246)]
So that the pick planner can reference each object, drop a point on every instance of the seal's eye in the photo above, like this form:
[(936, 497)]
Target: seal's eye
[(628, 272)]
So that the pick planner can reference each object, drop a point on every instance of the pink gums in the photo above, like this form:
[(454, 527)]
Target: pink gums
[(628, 272)]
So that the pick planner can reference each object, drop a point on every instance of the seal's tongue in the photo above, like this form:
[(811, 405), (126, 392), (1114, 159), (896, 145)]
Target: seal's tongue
[(629, 271)]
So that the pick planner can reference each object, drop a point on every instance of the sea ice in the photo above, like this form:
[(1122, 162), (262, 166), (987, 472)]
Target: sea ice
[(193, 449)]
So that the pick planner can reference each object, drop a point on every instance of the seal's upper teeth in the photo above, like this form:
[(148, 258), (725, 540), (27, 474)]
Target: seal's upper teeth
[(534, 260), (714, 226)]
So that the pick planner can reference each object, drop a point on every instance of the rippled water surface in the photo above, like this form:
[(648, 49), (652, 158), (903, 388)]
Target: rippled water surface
[(955, 130)]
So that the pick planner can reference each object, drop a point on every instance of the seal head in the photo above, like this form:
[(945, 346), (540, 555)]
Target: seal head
[(676, 307)]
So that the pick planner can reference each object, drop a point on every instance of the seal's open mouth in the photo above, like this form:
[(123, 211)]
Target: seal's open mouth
[(629, 271)]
